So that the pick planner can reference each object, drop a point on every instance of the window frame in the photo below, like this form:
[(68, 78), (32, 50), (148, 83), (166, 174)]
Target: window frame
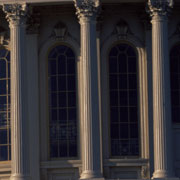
[(43, 92), (138, 103), (142, 89), (77, 114)]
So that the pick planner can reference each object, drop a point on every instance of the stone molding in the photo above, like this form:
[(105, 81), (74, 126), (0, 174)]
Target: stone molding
[(33, 24), (86, 9), (16, 13)]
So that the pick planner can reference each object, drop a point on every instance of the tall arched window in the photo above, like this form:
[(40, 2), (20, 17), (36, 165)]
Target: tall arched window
[(175, 83), (124, 133), (62, 102), (5, 133)]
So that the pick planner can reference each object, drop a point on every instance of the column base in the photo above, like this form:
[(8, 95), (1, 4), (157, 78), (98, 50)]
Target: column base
[(91, 175), (19, 177)]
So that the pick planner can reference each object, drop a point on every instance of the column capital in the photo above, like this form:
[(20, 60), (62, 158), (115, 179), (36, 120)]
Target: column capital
[(87, 9), (159, 7), (16, 13)]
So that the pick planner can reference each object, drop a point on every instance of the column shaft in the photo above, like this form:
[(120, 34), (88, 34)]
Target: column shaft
[(91, 158), (91, 130), (19, 121), (161, 98)]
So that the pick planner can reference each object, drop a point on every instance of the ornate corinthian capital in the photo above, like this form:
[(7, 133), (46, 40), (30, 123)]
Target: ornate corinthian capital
[(15, 13), (87, 8), (159, 7)]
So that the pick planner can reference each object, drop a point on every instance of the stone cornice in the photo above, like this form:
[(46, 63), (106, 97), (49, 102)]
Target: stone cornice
[(87, 8), (159, 7), (16, 13)]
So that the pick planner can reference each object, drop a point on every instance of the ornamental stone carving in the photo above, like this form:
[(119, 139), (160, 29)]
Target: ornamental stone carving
[(159, 7), (16, 13), (87, 8)]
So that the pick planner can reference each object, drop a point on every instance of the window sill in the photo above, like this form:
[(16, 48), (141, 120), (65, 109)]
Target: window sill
[(5, 166), (61, 164), (125, 162)]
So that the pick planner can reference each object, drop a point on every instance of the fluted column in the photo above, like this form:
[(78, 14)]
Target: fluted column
[(161, 89), (16, 15), (91, 163)]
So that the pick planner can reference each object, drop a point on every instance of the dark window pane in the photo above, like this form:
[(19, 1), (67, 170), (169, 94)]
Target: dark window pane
[(114, 98), (62, 83), (54, 149), (133, 131), (71, 66), (131, 51), (114, 131), (114, 114), (3, 53), (71, 99), (53, 83), (113, 82), (63, 149), (63, 115), (9, 70), (53, 115), (53, 54), (62, 99), (69, 53), (52, 67), (3, 89), (123, 114), (122, 81), (61, 49), (123, 98), (73, 148), (113, 65), (72, 114), (113, 52), (3, 153), (124, 147), (71, 83), (53, 100), (3, 136), (174, 65), (61, 64), (2, 69), (122, 47), (133, 114), (3, 103), (176, 114), (174, 81), (72, 133), (122, 60), (124, 131), (175, 98), (132, 98), (3, 119), (132, 65), (132, 81)]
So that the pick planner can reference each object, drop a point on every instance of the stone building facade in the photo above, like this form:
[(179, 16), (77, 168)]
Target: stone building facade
[(89, 89)]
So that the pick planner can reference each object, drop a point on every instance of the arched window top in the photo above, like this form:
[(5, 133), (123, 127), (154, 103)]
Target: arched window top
[(122, 48)]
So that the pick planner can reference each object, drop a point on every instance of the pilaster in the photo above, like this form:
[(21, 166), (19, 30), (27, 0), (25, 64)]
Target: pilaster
[(16, 15), (163, 165), (87, 11)]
